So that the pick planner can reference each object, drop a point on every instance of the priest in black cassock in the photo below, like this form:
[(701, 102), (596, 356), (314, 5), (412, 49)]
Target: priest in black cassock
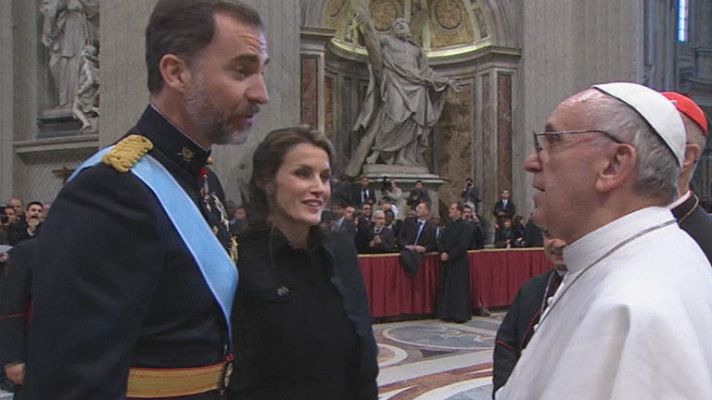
[(454, 302)]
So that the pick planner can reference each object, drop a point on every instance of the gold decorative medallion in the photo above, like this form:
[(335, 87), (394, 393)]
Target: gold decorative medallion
[(187, 154)]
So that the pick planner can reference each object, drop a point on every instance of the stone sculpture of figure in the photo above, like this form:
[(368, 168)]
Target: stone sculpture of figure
[(86, 98), (66, 30), (403, 101)]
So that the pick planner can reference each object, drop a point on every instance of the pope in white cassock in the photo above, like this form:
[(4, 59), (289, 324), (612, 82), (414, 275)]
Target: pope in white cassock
[(632, 318)]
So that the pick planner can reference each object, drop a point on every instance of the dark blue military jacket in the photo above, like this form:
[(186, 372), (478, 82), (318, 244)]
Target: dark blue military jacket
[(115, 286)]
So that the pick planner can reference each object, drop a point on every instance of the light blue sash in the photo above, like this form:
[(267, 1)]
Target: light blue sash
[(216, 266)]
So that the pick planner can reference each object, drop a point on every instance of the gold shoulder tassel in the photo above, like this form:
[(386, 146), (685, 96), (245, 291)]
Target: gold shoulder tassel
[(127, 152)]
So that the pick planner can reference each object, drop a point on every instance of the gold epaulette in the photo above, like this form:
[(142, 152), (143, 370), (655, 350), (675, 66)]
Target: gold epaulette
[(209, 161), (127, 152)]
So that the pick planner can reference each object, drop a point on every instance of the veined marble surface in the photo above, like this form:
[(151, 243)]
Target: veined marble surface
[(435, 360)]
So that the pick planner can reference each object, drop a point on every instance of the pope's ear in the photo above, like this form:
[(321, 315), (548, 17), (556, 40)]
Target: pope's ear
[(617, 168)]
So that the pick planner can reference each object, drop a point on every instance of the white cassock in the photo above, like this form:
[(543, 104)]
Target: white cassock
[(637, 324)]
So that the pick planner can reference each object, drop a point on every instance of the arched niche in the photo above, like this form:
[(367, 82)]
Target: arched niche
[(473, 41)]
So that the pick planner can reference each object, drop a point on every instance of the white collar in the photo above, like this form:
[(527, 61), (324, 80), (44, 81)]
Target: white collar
[(592, 246), (680, 200)]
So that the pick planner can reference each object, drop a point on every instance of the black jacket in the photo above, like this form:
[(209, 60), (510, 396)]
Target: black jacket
[(454, 293), (517, 327), (500, 210), (357, 195), (15, 299), (270, 314), (694, 220), (18, 232)]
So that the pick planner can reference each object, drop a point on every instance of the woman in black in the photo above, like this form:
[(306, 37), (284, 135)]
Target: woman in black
[(301, 324)]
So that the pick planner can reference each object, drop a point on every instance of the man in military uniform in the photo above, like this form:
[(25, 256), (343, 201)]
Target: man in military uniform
[(130, 296)]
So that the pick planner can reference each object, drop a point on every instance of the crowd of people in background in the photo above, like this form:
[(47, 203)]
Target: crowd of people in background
[(375, 218), (20, 222)]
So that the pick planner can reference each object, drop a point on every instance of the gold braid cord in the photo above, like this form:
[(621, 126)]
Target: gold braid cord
[(127, 152)]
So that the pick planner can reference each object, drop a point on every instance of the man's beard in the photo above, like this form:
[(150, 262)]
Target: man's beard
[(208, 120)]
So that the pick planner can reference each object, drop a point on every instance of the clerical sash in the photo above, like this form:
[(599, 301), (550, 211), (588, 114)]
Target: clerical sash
[(217, 268)]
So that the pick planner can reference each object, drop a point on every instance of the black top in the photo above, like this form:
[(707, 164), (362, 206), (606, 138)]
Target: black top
[(15, 302), (18, 232), (115, 286), (694, 220), (416, 196), (295, 335), (517, 327)]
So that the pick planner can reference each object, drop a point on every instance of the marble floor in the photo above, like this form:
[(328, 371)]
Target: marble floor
[(435, 360)]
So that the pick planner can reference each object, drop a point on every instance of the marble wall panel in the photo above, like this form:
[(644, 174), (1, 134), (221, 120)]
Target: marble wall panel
[(504, 131), (489, 155), (454, 155), (310, 91), (329, 128)]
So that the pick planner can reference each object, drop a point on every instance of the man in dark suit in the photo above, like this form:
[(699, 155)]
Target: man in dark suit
[(687, 210), (517, 328), (470, 194), (379, 238), (392, 223), (364, 226), (15, 296), (479, 234), (135, 278), (362, 194), (417, 237), (532, 234), (504, 207), (343, 219)]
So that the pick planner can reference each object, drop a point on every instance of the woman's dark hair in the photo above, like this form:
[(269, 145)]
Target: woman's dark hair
[(267, 159), (184, 27)]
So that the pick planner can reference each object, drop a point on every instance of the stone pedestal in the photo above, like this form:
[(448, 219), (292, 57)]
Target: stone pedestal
[(405, 177), (57, 123)]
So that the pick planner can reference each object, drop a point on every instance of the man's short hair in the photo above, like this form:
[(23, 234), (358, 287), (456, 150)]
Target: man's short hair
[(184, 28), (34, 203)]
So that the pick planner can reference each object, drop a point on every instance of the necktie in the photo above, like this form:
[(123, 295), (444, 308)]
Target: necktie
[(420, 230)]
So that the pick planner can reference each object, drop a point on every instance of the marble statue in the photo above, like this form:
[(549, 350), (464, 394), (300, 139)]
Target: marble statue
[(67, 28), (86, 98), (404, 98)]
